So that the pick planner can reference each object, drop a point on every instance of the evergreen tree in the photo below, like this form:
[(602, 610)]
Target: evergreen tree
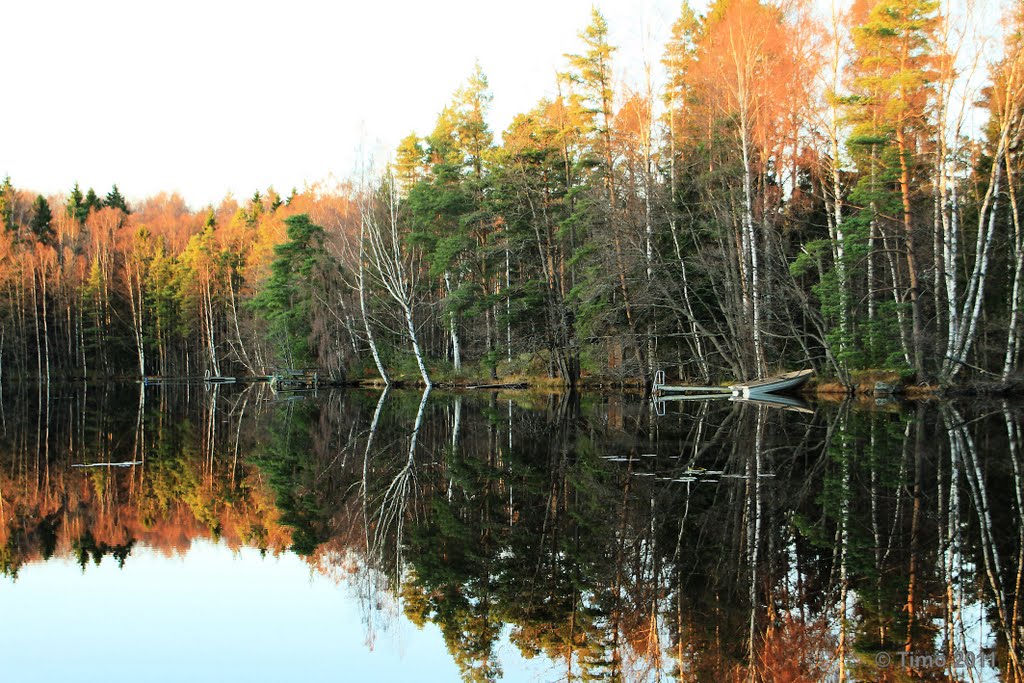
[(41, 220), (529, 189), (7, 204), (252, 215), (591, 71), (274, 200), (593, 98), (287, 299), (76, 206), (92, 202), (116, 201), (449, 216), (892, 70)]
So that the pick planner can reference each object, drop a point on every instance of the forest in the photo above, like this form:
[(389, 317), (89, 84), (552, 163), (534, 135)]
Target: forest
[(784, 190)]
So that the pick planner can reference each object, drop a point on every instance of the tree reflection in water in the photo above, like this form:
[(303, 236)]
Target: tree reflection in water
[(720, 540)]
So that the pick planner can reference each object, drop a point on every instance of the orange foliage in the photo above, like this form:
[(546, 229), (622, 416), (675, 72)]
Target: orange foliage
[(167, 216), (757, 61), (796, 651)]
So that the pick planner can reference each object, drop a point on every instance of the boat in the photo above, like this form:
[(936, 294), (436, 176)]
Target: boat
[(771, 385)]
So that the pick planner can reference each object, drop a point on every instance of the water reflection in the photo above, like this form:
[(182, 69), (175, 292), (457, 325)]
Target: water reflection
[(718, 540)]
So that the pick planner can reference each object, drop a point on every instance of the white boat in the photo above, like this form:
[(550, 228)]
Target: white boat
[(771, 385)]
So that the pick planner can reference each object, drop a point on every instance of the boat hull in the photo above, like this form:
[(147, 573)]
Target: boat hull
[(772, 385)]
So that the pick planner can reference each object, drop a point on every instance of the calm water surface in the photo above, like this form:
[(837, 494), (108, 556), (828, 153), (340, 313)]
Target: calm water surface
[(183, 533)]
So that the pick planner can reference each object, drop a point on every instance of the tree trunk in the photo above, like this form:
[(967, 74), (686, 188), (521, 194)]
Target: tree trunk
[(750, 245), (453, 328), (917, 330), (361, 286)]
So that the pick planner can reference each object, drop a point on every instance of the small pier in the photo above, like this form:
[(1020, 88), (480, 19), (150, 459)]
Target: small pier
[(694, 392)]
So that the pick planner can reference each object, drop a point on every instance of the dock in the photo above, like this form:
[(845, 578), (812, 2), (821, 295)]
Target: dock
[(660, 387), (294, 378)]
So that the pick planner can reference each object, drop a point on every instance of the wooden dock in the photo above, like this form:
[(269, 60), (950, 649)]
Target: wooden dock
[(295, 378), (660, 387)]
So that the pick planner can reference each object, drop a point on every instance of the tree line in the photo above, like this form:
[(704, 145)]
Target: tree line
[(796, 190)]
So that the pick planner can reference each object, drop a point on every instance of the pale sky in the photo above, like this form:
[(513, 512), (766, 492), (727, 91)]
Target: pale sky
[(210, 97)]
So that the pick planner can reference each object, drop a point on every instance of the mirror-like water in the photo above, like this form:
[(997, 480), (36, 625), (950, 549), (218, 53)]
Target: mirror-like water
[(402, 536)]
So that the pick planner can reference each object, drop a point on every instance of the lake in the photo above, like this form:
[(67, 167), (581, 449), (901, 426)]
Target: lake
[(184, 532)]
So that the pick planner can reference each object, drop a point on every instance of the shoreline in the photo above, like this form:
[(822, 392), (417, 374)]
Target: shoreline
[(866, 385)]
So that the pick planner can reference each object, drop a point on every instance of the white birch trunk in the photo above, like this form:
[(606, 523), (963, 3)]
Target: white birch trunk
[(238, 330), (394, 266), (46, 334), (508, 298), (750, 243), (453, 328), (970, 311), (1013, 336), (416, 347), (838, 237), (211, 346), (135, 304), (361, 286)]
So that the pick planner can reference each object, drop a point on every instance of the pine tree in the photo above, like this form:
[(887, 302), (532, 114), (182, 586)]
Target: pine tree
[(7, 199), (892, 70), (449, 217), (116, 200), (274, 200), (41, 220), (286, 300), (76, 206), (252, 215), (591, 74), (92, 202), (529, 190)]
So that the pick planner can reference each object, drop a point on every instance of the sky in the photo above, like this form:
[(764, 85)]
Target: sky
[(214, 97)]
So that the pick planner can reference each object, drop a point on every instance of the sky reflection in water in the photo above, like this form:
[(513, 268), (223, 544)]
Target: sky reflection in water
[(209, 614)]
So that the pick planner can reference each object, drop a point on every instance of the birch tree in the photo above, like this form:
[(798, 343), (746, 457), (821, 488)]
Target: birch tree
[(394, 265), (1006, 98), (743, 67)]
